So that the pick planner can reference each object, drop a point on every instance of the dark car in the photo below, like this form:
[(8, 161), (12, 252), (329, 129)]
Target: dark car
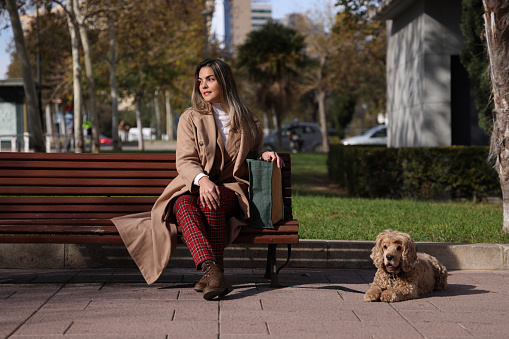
[(296, 136)]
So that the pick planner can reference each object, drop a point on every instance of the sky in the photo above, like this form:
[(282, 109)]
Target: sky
[(279, 9)]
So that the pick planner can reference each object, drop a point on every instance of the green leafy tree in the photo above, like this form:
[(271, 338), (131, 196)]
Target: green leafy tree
[(322, 47), (34, 119), (156, 38), (475, 59), (360, 65), (273, 57)]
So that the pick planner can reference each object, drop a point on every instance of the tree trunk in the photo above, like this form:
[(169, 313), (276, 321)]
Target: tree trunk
[(76, 75), (137, 104), (49, 126), (87, 56), (117, 145), (34, 118), (497, 40), (170, 126), (277, 126), (320, 97), (157, 115), (266, 128)]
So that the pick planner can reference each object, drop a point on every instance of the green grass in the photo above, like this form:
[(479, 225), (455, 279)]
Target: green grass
[(324, 212)]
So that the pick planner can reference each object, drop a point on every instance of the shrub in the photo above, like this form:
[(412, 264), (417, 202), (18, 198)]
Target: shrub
[(423, 173)]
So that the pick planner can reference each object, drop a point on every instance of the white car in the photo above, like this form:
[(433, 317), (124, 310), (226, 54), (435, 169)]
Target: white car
[(375, 136), (148, 133)]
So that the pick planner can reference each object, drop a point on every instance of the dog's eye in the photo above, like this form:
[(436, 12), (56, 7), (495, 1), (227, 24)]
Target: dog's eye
[(398, 248)]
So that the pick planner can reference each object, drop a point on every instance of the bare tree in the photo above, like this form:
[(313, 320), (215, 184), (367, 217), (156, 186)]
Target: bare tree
[(157, 115), (34, 119), (89, 72), (76, 74), (496, 19), (169, 116), (117, 146), (322, 46), (137, 103)]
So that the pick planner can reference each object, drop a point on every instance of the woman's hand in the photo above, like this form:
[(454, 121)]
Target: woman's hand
[(273, 156), (209, 193)]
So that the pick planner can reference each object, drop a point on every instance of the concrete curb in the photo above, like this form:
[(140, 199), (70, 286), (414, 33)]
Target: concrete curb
[(340, 254)]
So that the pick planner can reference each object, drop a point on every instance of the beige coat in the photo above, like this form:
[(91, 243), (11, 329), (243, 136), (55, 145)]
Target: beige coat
[(200, 148)]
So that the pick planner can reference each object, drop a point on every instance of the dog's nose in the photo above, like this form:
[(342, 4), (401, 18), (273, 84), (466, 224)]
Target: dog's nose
[(389, 257)]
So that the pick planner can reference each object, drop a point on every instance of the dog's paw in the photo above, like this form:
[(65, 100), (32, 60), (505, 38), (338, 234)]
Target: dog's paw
[(372, 296), (389, 296)]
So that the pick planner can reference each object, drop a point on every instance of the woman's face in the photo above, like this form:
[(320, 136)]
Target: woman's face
[(209, 87)]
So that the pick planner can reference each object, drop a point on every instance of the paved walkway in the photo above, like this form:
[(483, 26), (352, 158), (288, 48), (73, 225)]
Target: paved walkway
[(116, 303)]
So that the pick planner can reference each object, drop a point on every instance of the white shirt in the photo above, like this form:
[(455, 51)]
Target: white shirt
[(223, 123)]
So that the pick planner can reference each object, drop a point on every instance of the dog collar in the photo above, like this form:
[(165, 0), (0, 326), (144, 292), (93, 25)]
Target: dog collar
[(395, 276)]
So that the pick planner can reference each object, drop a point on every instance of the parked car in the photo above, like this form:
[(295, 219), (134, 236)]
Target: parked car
[(147, 132), (375, 136), (296, 136), (104, 140)]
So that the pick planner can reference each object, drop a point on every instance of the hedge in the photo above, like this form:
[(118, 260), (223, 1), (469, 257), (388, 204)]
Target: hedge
[(423, 173)]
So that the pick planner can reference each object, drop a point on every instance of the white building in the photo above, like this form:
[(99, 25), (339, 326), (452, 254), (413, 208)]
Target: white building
[(429, 98), (241, 17)]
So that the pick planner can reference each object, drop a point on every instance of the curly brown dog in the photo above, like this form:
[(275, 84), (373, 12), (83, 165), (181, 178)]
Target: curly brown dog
[(403, 273)]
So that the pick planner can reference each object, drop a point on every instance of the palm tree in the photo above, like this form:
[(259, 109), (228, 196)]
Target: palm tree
[(273, 56)]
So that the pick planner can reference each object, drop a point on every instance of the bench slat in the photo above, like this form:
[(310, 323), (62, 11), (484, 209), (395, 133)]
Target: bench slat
[(92, 214), (107, 239), (91, 157), (15, 201), (96, 182), (69, 226), (6, 210), (71, 165), (98, 173), (73, 190), (57, 239), (70, 215), (58, 172)]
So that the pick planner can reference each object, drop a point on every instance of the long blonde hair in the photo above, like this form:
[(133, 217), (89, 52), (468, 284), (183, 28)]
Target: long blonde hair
[(241, 117)]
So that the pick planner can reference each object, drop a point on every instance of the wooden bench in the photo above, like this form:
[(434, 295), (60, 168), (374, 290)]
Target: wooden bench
[(71, 197)]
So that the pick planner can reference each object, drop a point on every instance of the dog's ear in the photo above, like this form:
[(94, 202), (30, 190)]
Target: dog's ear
[(409, 255), (377, 251)]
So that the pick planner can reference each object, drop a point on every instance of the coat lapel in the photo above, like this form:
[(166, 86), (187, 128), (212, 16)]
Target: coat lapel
[(207, 131)]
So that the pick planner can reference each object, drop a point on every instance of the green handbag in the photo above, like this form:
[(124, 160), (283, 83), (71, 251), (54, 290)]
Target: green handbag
[(265, 193)]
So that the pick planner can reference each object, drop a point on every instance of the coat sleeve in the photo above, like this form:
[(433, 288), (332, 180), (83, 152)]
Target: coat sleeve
[(257, 149), (187, 156)]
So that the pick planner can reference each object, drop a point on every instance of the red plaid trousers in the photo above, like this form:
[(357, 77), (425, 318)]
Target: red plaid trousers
[(204, 229)]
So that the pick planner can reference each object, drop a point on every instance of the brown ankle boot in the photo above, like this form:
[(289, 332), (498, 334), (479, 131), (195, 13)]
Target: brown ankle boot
[(200, 285), (217, 284)]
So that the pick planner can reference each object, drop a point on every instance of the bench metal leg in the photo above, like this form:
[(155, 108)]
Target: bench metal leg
[(271, 270)]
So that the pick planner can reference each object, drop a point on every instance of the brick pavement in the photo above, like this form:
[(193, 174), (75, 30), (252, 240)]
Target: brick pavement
[(320, 303)]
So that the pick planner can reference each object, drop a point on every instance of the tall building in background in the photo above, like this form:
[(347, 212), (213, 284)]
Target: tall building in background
[(260, 14), (241, 17)]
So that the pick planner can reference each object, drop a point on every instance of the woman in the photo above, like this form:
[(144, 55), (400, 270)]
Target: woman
[(208, 198)]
